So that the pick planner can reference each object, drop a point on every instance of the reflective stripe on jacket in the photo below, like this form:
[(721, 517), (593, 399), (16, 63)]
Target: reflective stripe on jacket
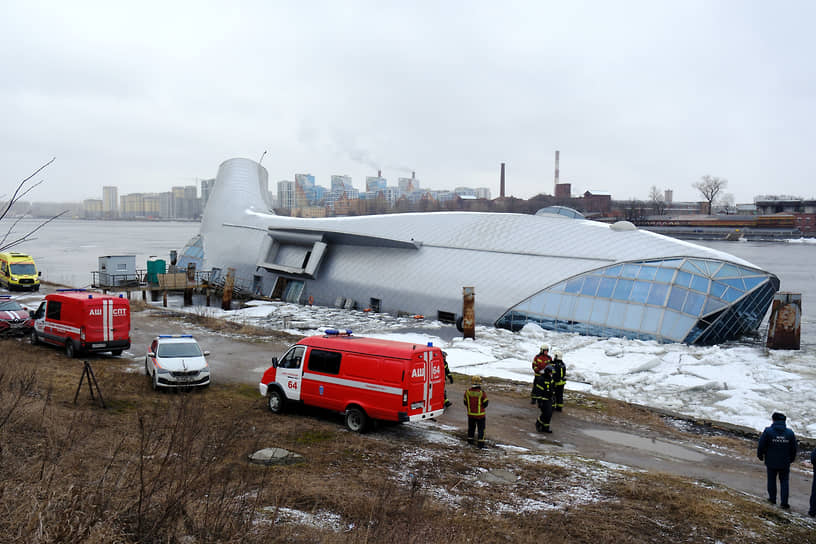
[(476, 402), (560, 374), (543, 387)]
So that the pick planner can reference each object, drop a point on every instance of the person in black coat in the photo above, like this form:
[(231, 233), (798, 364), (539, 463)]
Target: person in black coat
[(544, 387), (812, 511), (777, 447)]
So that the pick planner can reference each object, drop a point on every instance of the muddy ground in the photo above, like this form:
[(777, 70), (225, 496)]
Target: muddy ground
[(619, 433)]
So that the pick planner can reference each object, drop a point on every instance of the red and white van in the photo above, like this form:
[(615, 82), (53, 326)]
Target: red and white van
[(83, 322), (363, 378)]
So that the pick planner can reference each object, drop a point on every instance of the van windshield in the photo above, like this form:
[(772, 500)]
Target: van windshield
[(23, 269), (187, 349), (10, 306)]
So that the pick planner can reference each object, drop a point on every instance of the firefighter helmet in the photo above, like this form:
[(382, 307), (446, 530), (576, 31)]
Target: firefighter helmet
[(558, 354), (545, 347), (476, 380), (548, 368)]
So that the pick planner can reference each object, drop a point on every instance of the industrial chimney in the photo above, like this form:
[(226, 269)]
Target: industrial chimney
[(379, 173), (501, 184), (555, 186)]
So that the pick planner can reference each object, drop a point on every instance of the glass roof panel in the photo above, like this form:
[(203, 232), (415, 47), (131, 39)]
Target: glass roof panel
[(700, 265), (690, 267), (606, 287), (752, 282), (657, 296), (630, 271), (640, 292), (622, 289), (613, 271), (728, 271), (676, 298), (590, 286), (694, 303), (574, 285), (665, 275), (682, 278), (717, 288), (736, 283), (731, 294), (712, 305), (647, 272)]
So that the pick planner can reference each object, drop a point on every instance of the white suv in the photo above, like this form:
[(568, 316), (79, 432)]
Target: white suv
[(176, 361)]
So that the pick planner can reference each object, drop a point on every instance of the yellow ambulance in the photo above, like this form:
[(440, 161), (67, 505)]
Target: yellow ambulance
[(18, 271)]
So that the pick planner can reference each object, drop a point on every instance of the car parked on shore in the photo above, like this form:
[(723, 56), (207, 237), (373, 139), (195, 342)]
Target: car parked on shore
[(14, 317), (176, 361)]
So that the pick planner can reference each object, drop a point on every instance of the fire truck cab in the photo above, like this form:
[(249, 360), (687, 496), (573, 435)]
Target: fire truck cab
[(365, 379), (83, 322)]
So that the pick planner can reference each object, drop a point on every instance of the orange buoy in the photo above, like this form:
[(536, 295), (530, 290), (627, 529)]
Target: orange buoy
[(311, 300)]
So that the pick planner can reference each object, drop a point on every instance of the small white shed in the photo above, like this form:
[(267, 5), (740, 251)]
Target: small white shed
[(117, 270)]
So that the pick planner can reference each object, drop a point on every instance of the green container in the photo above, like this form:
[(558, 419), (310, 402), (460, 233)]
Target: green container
[(154, 267)]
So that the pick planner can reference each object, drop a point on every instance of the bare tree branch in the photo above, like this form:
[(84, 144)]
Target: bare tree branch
[(23, 188)]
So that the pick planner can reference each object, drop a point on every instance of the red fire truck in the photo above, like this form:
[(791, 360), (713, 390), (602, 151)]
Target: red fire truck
[(364, 378), (83, 322)]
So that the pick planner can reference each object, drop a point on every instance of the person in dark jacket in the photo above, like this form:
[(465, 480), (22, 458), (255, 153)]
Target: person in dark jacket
[(448, 377), (544, 387), (812, 510), (560, 377), (777, 447), (476, 403), (541, 360)]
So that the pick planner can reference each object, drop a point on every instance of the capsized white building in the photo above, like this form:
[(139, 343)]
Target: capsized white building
[(564, 274)]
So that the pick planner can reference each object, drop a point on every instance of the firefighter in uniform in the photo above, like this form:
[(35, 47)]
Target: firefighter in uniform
[(448, 376), (476, 402), (544, 386), (560, 377), (539, 362)]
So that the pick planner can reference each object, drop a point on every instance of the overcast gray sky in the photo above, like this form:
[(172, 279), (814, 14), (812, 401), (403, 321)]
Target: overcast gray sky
[(634, 94)]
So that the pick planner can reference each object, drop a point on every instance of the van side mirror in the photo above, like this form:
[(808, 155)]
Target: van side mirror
[(206, 353), (274, 362), (39, 273)]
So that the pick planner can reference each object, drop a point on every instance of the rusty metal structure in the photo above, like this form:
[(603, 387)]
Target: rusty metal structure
[(785, 323)]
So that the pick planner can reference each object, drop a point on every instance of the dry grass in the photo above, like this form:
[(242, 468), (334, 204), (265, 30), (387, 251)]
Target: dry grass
[(173, 468)]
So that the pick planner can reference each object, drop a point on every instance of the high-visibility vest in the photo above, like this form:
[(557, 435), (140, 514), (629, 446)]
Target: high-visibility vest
[(475, 400)]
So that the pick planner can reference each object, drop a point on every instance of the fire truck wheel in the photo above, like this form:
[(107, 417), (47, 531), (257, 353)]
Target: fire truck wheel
[(34, 338), (69, 349), (356, 420), (154, 382), (275, 401)]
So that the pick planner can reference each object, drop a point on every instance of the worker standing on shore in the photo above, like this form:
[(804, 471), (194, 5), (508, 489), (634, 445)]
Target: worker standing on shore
[(448, 377), (560, 377), (543, 386), (476, 403), (541, 360), (777, 447)]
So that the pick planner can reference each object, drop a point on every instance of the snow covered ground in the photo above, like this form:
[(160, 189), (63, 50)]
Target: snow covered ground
[(738, 384)]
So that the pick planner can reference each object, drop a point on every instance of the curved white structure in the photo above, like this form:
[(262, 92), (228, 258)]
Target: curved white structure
[(564, 274)]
